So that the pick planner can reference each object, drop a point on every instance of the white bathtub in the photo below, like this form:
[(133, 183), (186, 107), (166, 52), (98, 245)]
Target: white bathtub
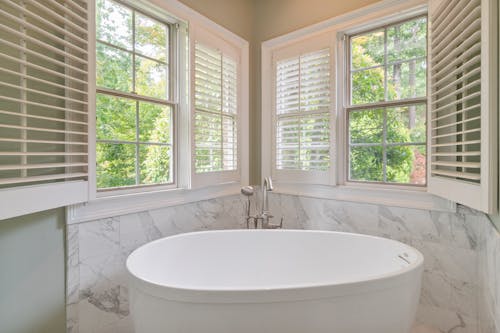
[(280, 281)]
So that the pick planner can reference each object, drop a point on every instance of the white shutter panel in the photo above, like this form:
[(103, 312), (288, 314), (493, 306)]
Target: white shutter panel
[(43, 104), (216, 105), (462, 112), (302, 117)]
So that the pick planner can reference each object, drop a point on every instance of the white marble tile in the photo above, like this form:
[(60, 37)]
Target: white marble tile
[(459, 251)]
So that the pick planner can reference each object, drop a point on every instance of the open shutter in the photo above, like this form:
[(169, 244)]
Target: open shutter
[(463, 108), (43, 104), (215, 123), (302, 116)]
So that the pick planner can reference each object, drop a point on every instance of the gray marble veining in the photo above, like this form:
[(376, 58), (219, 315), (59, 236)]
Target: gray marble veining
[(460, 293)]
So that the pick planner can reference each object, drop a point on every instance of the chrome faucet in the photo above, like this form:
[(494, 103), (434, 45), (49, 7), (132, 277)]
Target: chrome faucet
[(265, 215)]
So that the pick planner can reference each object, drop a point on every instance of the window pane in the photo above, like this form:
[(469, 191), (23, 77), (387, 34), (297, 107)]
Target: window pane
[(366, 163), (367, 86), (287, 86), (406, 164), (114, 23), (288, 143), (315, 81), (151, 38), (115, 165), (406, 80), (114, 68), (155, 164), (407, 40), (115, 118), (315, 142), (151, 78), (366, 126), (208, 141), (406, 124), (229, 143), (367, 50), (155, 123)]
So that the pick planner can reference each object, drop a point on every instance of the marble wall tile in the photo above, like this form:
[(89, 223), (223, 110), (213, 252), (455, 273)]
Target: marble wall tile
[(461, 260)]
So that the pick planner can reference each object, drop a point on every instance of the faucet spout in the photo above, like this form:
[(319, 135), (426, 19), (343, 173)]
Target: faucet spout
[(267, 185)]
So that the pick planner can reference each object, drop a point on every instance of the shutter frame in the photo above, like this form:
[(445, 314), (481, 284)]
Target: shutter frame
[(46, 105), (229, 53), (311, 46), (476, 186)]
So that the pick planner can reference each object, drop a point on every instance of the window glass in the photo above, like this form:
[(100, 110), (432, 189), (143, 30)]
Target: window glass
[(387, 111), (134, 118)]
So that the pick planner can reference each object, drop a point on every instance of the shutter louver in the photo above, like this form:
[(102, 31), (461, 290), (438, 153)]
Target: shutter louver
[(215, 111), (44, 96), (303, 112), (456, 91), (459, 105)]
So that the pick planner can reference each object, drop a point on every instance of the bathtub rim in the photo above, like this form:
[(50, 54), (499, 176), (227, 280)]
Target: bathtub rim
[(406, 276)]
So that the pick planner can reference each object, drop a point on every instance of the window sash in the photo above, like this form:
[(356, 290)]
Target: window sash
[(350, 107), (137, 98)]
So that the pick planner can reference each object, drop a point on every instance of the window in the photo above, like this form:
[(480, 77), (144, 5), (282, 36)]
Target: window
[(386, 109), (217, 110), (302, 119), (135, 107), (216, 106), (303, 112)]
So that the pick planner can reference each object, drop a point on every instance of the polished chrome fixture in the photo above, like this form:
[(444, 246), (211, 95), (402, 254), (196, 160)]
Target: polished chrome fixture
[(265, 215)]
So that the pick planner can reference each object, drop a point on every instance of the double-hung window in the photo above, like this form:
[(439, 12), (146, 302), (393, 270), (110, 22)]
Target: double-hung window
[(135, 98), (387, 103)]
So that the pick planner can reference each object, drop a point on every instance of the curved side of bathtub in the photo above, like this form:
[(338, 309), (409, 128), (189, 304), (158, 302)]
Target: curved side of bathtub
[(382, 304)]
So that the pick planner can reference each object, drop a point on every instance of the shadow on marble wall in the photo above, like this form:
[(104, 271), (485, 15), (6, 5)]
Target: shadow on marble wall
[(459, 249)]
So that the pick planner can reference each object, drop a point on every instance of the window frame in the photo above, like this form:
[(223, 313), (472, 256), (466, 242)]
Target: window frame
[(348, 107), (171, 101), (292, 50), (115, 203), (357, 21), (209, 39)]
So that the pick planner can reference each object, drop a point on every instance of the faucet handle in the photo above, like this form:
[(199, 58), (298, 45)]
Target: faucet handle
[(275, 226)]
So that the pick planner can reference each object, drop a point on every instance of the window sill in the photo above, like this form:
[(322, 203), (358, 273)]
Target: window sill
[(110, 206), (405, 198)]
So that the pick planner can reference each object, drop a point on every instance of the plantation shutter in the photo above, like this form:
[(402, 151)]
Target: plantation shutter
[(215, 122), (462, 105), (43, 104), (302, 146)]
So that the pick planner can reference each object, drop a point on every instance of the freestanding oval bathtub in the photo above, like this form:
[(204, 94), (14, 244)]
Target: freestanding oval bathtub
[(274, 281)]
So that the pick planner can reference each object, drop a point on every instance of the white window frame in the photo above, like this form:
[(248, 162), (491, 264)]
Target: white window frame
[(364, 19), (209, 39), (316, 43), (126, 201), (172, 101)]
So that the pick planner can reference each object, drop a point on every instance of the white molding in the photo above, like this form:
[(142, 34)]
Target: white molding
[(186, 13), (376, 196), (389, 9), (139, 202), (24, 200)]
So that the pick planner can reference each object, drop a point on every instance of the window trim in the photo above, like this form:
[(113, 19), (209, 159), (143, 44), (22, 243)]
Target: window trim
[(379, 14), (154, 197)]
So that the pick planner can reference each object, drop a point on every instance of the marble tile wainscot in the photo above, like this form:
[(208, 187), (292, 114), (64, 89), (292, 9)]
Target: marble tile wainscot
[(460, 293)]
